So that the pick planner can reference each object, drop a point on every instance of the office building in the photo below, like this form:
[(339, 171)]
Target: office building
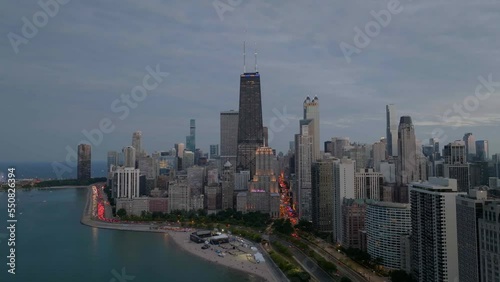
[(147, 166), (469, 211), (112, 159), (479, 174), (434, 230), (179, 194), (379, 153), (214, 151), (322, 194), (263, 191), (489, 242), (482, 152), (241, 180), (195, 185), (391, 130), (344, 188), (311, 112), (353, 222), (229, 137), (304, 159), (250, 128), (84, 162), (455, 164), (227, 183), (137, 144), (187, 160), (129, 153), (191, 138), (470, 147), (386, 224), (338, 146), (407, 169), (328, 147), (368, 184)]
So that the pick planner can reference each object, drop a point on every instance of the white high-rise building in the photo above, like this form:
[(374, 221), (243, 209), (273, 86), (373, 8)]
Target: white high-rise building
[(129, 153), (344, 189), (386, 223), (126, 182), (434, 245), (311, 112), (303, 159), (368, 184), (392, 130)]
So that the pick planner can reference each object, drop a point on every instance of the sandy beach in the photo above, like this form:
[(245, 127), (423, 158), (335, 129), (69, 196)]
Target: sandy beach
[(239, 262)]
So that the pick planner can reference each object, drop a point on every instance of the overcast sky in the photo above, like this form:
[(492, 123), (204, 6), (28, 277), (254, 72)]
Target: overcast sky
[(65, 78)]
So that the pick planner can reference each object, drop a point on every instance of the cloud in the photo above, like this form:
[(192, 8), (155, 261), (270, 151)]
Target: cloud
[(427, 59)]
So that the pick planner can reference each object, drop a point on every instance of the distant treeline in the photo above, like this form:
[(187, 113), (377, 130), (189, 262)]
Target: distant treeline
[(68, 182)]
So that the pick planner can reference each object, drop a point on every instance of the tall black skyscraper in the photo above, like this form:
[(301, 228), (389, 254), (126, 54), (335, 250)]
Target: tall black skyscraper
[(250, 130), (84, 162)]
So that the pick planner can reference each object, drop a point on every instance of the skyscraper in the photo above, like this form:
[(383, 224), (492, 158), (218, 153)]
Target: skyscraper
[(112, 159), (482, 153), (434, 249), (137, 144), (455, 165), (84, 162), (311, 112), (469, 211), (191, 138), (489, 242), (130, 154), (214, 151), (392, 130), (322, 194), (263, 191), (227, 186), (229, 137), (343, 189), (250, 128), (470, 146), (304, 159), (407, 152)]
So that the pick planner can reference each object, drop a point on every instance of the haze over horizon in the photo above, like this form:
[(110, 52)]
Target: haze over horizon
[(64, 80)]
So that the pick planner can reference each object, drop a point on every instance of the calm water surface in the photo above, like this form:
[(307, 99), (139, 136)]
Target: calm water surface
[(52, 246)]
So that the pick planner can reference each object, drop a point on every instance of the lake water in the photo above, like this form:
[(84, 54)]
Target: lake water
[(52, 246)]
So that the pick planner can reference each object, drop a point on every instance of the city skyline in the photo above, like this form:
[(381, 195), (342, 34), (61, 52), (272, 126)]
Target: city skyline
[(357, 91)]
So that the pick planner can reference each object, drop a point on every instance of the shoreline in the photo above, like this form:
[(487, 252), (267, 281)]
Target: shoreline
[(181, 239)]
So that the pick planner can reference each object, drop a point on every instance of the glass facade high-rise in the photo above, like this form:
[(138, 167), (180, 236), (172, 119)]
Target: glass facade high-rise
[(191, 138), (392, 130), (482, 153), (407, 169), (229, 137), (250, 129), (84, 158)]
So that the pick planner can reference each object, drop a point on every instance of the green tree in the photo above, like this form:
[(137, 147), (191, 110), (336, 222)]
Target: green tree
[(345, 279), (121, 212), (305, 225)]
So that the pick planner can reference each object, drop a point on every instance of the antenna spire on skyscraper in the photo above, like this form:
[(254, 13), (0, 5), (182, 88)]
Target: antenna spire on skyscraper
[(244, 59), (255, 57)]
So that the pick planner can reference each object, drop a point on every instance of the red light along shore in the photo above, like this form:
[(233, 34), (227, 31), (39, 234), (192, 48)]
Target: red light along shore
[(180, 236)]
